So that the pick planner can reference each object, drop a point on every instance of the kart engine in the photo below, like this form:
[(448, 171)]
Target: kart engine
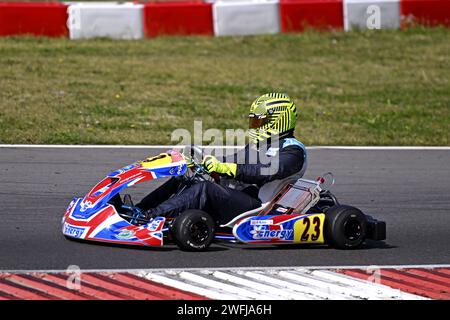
[(296, 198)]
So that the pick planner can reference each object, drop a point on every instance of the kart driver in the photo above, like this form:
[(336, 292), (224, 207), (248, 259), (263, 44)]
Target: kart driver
[(272, 117)]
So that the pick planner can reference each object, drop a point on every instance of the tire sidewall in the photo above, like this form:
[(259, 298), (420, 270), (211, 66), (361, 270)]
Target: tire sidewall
[(181, 230), (336, 217)]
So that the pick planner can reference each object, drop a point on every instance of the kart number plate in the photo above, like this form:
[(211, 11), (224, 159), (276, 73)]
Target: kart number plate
[(309, 229)]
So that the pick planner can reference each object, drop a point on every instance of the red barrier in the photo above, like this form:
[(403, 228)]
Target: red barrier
[(296, 15), (426, 12), (41, 19), (176, 18)]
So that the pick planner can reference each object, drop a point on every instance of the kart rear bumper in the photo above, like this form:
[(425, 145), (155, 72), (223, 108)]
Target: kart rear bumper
[(376, 229)]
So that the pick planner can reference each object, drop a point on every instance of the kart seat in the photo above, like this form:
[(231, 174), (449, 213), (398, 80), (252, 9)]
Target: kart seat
[(266, 193)]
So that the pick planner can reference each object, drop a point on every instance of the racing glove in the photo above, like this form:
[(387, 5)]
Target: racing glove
[(211, 164)]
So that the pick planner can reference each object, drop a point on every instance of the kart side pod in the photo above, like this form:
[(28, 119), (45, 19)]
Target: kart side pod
[(281, 229), (285, 219)]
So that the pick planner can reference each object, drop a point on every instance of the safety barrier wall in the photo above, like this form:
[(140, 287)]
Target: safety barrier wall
[(40, 19), (296, 15), (246, 17), (371, 14), (425, 12), (178, 19), (112, 20), (78, 20)]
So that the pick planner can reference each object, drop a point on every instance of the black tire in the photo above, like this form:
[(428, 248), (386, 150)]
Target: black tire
[(345, 227), (193, 230)]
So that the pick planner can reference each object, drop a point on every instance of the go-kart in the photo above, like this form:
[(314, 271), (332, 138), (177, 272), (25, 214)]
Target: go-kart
[(293, 211)]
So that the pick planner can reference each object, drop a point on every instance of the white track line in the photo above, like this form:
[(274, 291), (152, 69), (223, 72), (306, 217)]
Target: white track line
[(370, 267), (75, 146), (438, 148), (105, 146)]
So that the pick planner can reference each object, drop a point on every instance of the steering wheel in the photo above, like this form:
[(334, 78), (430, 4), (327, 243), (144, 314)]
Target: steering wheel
[(194, 156)]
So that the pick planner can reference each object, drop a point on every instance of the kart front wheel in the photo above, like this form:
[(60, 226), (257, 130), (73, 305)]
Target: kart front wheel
[(345, 227), (193, 230)]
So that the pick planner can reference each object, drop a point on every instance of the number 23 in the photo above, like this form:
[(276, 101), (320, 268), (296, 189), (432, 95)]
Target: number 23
[(307, 223)]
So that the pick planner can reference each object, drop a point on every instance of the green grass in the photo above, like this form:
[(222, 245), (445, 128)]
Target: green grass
[(358, 88)]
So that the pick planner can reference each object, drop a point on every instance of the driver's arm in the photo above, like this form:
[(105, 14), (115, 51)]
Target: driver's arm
[(291, 160)]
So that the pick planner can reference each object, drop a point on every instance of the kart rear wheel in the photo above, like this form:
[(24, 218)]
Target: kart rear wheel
[(345, 227), (193, 230)]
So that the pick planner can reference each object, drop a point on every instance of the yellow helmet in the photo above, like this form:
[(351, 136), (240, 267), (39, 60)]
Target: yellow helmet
[(271, 114)]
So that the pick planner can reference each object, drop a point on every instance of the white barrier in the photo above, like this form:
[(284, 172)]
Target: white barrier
[(246, 17), (371, 14), (112, 20)]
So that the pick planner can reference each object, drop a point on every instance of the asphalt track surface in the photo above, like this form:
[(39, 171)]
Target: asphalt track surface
[(409, 189)]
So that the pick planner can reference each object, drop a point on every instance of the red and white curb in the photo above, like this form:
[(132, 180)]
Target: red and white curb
[(333, 283), (86, 286)]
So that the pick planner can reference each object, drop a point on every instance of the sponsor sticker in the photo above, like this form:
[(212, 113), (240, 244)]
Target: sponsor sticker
[(261, 222), (269, 232), (125, 235), (72, 231), (281, 209)]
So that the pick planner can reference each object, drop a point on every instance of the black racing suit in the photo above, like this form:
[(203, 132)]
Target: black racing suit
[(220, 200)]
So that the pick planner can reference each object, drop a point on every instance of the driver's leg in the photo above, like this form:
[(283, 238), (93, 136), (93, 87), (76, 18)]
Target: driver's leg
[(225, 203), (160, 194), (221, 202)]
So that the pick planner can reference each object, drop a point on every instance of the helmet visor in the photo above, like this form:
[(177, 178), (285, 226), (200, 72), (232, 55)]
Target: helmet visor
[(255, 121)]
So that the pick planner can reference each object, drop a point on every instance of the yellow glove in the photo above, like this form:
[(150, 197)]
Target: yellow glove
[(211, 164)]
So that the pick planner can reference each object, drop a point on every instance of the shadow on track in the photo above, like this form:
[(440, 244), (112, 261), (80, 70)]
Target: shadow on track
[(367, 245), (371, 244), (165, 248)]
